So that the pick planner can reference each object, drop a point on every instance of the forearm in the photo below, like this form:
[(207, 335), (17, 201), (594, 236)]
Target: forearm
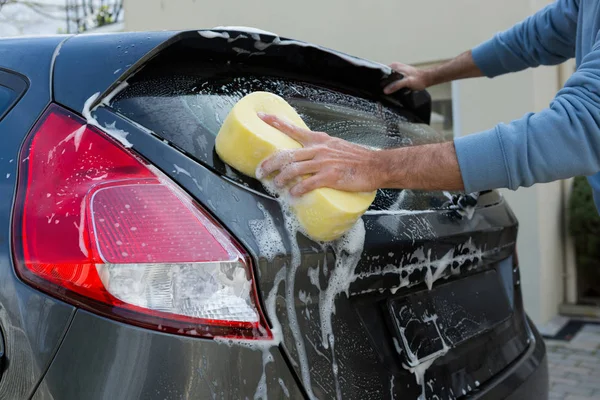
[(460, 67), (427, 167)]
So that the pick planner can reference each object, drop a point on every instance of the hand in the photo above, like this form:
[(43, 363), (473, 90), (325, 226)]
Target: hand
[(414, 79), (329, 162)]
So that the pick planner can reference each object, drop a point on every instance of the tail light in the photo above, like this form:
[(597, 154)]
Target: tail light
[(100, 228)]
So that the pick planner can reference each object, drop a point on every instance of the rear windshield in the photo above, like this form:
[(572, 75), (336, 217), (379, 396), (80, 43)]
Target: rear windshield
[(188, 112)]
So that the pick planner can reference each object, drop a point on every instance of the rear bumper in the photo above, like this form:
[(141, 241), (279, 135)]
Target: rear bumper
[(525, 379)]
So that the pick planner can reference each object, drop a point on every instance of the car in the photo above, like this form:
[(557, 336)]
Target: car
[(135, 264)]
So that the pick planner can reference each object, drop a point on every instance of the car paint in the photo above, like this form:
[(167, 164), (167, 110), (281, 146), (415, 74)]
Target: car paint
[(32, 323), (121, 361)]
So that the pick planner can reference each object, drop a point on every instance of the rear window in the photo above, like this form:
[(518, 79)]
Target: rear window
[(188, 111)]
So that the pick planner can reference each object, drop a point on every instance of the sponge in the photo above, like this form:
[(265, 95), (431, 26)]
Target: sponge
[(245, 140)]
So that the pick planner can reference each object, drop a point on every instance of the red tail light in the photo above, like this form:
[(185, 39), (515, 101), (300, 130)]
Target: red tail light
[(98, 227)]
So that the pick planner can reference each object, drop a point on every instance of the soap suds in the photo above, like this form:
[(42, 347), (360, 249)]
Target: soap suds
[(118, 134), (107, 100), (87, 111), (277, 41), (284, 388), (348, 250), (463, 204), (110, 129), (434, 268), (212, 34), (267, 237), (246, 29), (420, 366)]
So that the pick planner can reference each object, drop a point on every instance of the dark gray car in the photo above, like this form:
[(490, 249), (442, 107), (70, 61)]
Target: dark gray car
[(134, 264)]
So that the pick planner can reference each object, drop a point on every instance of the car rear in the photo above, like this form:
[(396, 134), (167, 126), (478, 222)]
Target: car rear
[(188, 280)]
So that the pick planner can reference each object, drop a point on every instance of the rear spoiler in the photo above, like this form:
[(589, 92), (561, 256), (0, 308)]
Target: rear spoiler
[(90, 64)]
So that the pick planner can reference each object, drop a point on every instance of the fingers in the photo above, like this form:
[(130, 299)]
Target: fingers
[(298, 134), (296, 170), (397, 85), (309, 184), (399, 67), (282, 158)]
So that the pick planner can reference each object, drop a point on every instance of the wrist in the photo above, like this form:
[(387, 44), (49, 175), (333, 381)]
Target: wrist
[(430, 77), (386, 174)]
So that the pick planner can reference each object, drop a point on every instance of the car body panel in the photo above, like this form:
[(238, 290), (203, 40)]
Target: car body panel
[(32, 323), (83, 69), (89, 64), (120, 361), (236, 207)]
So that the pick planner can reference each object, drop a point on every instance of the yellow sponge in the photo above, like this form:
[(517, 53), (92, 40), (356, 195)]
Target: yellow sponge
[(245, 140)]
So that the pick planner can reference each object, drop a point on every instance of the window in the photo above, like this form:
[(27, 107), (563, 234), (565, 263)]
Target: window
[(7, 96), (12, 88), (188, 111)]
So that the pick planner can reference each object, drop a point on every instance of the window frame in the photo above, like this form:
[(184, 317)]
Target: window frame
[(15, 82)]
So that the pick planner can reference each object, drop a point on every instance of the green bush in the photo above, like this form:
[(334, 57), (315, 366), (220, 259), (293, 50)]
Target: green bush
[(585, 225)]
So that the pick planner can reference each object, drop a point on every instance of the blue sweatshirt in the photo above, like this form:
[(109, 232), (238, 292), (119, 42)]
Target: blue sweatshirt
[(561, 141)]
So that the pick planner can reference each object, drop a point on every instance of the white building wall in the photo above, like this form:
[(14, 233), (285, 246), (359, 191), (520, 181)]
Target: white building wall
[(415, 32)]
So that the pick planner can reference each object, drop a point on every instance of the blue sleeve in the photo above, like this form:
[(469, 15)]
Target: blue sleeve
[(546, 38), (559, 142)]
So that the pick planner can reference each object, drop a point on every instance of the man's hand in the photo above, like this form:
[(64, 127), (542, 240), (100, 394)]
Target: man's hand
[(463, 66), (414, 79), (327, 161)]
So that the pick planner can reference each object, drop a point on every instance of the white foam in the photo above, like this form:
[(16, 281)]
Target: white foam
[(87, 111), (106, 101), (118, 134), (434, 268), (246, 29), (264, 345), (292, 226), (397, 346), (284, 388), (261, 389), (279, 42), (398, 212), (417, 366), (212, 34), (267, 236), (347, 250)]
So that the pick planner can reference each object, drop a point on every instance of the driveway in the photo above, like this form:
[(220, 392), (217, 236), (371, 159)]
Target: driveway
[(574, 363)]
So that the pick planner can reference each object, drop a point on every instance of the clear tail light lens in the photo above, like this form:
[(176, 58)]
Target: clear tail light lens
[(100, 228)]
